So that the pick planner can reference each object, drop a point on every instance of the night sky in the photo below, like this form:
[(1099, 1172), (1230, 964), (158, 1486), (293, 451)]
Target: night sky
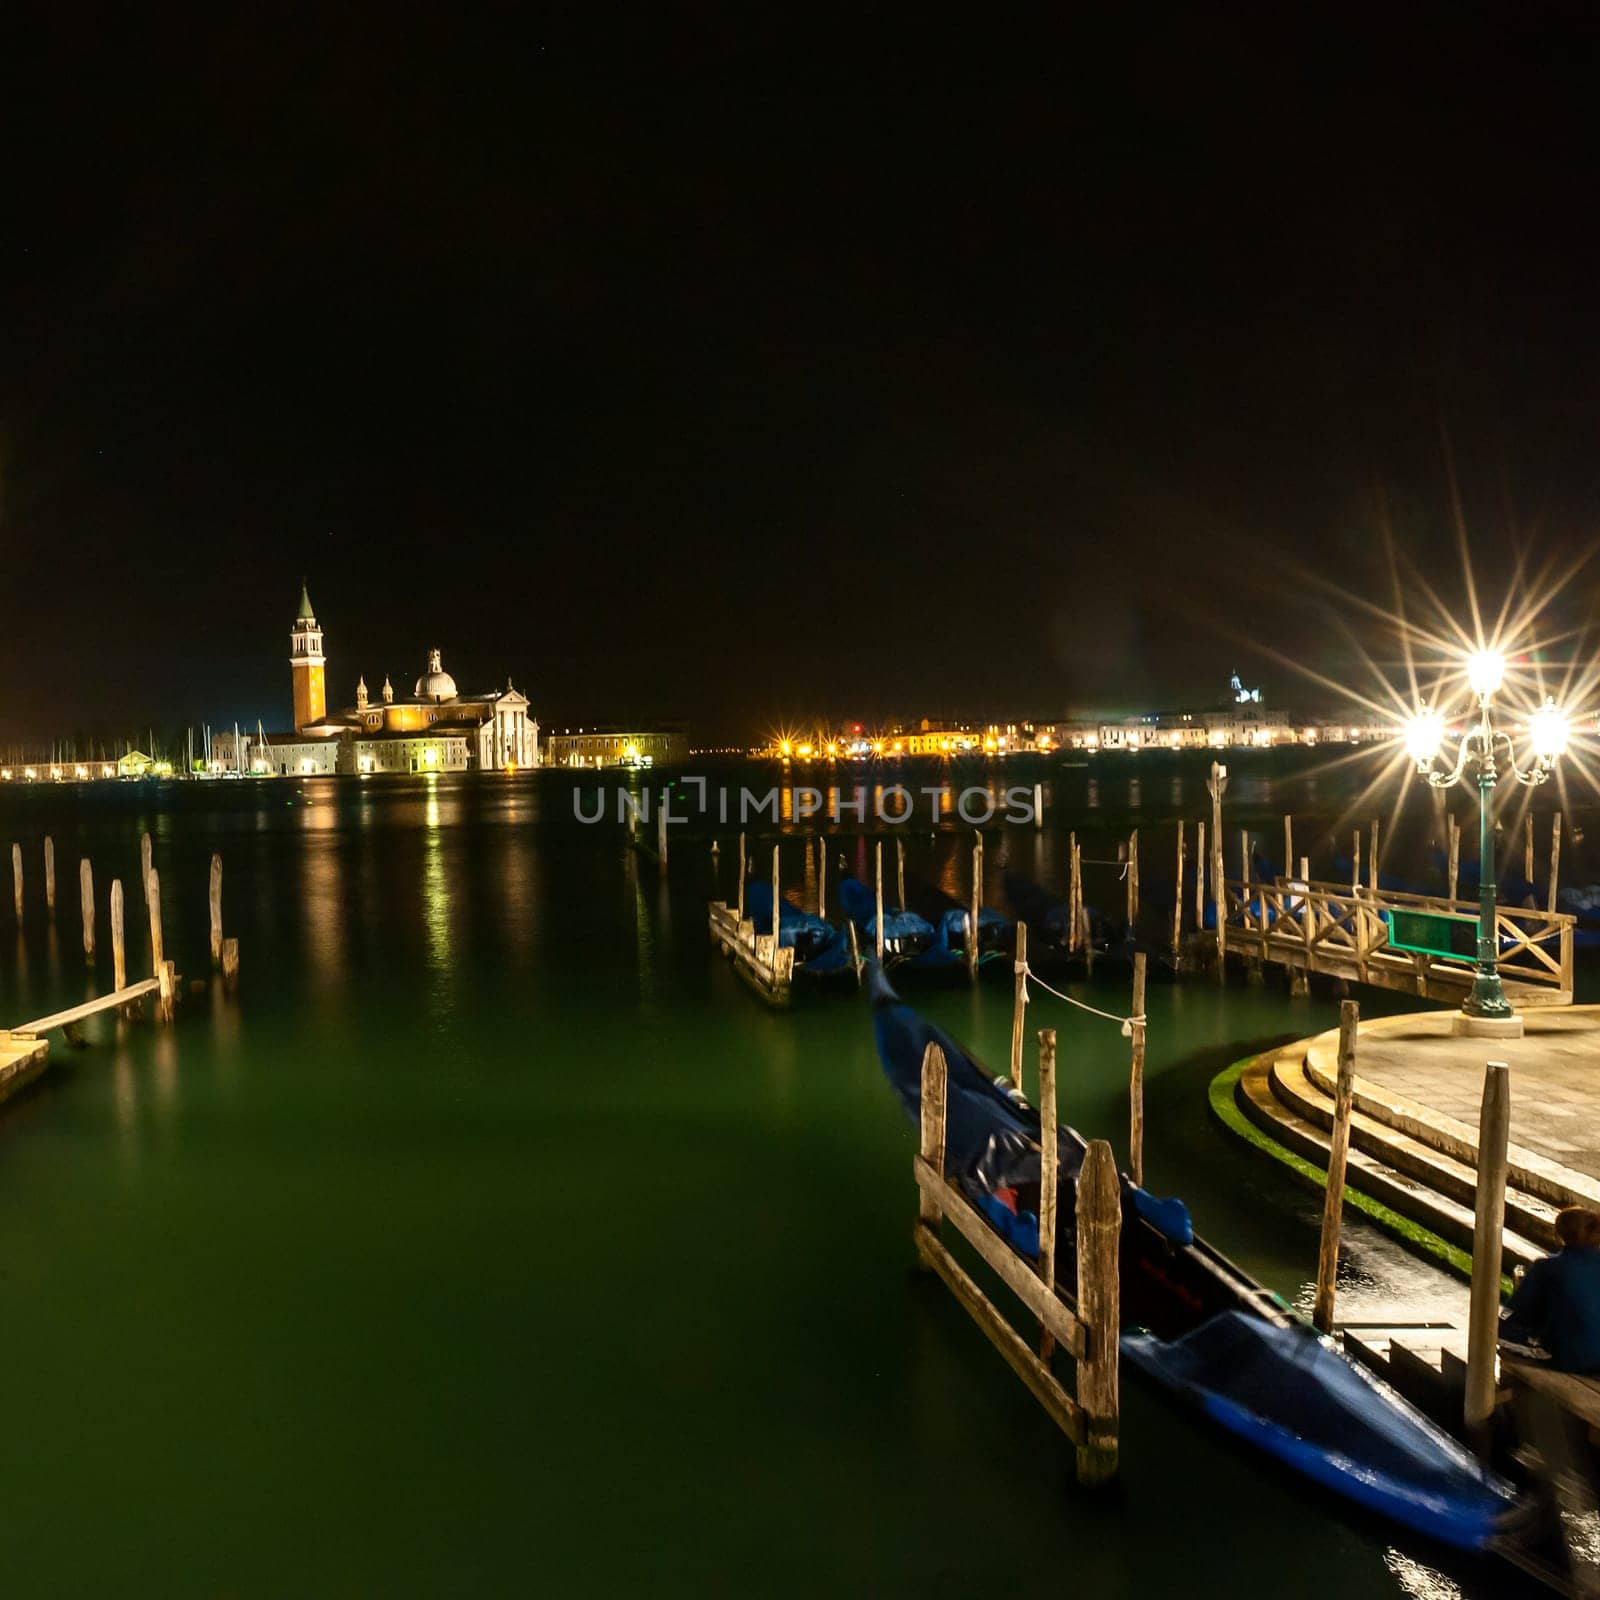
[(917, 362)]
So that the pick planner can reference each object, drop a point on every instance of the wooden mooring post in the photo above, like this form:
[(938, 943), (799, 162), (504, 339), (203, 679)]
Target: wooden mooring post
[(152, 900), (1133, 880), (977, 904), (1038, 805), (1255, 965), (1372, 859), (1049, 1174), (49, 874), (661, 833), (1136, 1074), (1074, 899), (230, 965), (119, 951), (1527, 845), (216, 910), (1453, 846), (144, 866), (1338, 1154), (878, 891), (777, 902), (1019, 1002), (16, 880), (1555, 861), (1177, 903), (1300, 977), (165, 971), (741, 878), (822, 877), (1099, 1297), (1200, 874), (1288, 845), (1217, 783), (1085, 931), (1489, 1218), (1085, 1328), (86, 905), (900, 873)]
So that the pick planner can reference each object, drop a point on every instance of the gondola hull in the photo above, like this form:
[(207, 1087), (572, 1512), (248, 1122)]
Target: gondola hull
[(1194, 1322)]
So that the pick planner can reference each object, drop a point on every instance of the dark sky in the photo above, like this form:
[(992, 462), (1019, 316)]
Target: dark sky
[(902, 360)]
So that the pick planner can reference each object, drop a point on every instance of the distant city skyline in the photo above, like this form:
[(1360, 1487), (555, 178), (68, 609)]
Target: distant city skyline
[(760, 398)]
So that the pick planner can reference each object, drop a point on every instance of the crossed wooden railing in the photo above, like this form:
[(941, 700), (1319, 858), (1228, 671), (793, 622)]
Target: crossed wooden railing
[(1334, 928)]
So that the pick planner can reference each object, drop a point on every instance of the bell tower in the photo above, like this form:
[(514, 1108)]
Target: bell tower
[(306, 660)]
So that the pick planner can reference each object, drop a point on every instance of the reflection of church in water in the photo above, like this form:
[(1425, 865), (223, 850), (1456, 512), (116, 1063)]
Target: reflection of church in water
[(433, 729)]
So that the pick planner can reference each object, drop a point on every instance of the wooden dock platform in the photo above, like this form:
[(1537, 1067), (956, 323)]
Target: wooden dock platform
[(66, 1020), (21, 1061), (1342, 931), (758, 958)]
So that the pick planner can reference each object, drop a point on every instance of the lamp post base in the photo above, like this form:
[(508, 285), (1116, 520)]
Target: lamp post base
[(1487, 1027)]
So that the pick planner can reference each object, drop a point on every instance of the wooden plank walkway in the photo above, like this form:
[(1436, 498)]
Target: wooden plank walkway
[(21, 1061), (89, 1008)]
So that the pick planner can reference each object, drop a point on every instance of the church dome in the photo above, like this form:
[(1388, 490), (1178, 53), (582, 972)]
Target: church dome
[(435, 683)]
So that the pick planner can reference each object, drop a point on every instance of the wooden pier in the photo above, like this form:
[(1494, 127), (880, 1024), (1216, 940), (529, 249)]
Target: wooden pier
[(22, 1048), (758, 958), (1343, 932), (22, 1059)]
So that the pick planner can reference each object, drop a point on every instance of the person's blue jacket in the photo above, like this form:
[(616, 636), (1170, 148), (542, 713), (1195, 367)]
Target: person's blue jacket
[(1558, 1302)]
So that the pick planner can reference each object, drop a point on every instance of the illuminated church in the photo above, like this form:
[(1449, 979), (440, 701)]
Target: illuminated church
[(435, 728)]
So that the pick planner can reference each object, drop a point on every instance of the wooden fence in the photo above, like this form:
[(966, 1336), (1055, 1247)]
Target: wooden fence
[(1340, 930)]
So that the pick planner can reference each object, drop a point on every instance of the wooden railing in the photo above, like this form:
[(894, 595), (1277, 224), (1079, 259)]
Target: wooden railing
[(1332, 928), (1085, 1326)]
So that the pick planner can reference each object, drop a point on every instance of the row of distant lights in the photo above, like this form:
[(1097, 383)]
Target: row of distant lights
[(56, 774), (859, 749), (998, 744)]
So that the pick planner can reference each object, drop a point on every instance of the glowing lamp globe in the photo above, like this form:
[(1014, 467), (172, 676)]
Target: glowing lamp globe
[(1486, 671), (1424, 734), (1549, 729)]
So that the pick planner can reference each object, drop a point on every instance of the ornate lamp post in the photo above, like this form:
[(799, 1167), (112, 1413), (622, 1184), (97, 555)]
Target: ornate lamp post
[(1486, 1003)]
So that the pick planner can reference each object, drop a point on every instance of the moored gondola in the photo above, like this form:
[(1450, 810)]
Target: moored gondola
[(1194, 1322)]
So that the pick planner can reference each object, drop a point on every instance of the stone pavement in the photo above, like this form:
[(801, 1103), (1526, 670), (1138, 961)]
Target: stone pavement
[(1419, 1067)]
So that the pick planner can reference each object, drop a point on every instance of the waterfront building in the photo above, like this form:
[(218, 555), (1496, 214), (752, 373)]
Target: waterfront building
[(435, 728), (307, 664), (629, 745)]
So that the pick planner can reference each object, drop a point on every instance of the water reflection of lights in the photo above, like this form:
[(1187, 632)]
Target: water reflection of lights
[(436, 899), (324, 911), (1418, 1581), (643, 932)]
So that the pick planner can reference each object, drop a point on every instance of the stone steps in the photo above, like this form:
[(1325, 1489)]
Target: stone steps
[(1534, 1175), (1300, 1090), (1368, 1173)]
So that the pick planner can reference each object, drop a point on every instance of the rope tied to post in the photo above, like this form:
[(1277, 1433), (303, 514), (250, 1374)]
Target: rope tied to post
[(1127, 1023)]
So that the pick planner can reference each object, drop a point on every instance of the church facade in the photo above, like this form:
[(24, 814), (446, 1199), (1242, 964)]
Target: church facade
[(435, 728)]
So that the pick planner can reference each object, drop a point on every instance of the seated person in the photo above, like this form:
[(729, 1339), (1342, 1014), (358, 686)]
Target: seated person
[(1558, 1301)]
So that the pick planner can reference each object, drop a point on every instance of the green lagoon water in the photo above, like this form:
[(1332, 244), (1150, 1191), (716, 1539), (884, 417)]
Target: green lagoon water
[(496, 1240)]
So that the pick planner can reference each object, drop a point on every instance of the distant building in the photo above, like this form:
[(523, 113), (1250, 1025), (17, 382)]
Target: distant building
[(434, 729), (608, 745), (307, 664)]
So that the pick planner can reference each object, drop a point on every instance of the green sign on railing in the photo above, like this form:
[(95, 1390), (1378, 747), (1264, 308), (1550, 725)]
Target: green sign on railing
[(1433, 933)]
